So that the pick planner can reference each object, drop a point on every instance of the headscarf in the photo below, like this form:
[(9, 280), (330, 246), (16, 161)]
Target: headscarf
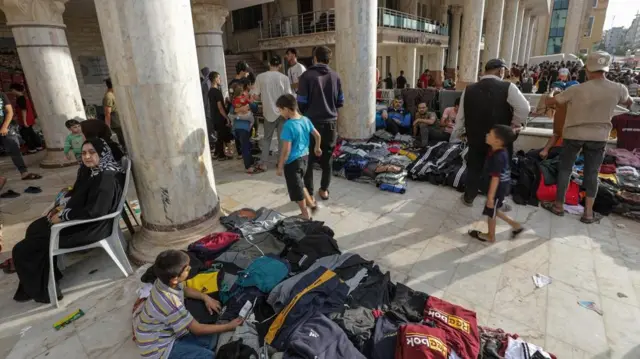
[(106, 162), (99, 129)]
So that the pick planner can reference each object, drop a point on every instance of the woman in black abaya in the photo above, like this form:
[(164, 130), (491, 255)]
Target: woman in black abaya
[(96, 193)]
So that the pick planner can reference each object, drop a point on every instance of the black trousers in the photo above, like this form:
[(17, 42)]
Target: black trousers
[(476, 158), (393, 128), (30, 137), (328, 138)]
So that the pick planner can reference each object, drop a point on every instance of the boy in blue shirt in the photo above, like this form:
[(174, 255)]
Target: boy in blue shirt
[(295, 137), (497, 164)]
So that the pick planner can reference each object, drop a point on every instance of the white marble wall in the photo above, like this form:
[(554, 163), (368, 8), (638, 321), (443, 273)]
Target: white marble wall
[(509, 30), (524, 38), (208, 20), (572, 29), (356, 36), (152, 58), (407, 60), (452, 61), (470, 44), (542, 33), (493, 31), (44, 53), (530, 45), (517, 43)]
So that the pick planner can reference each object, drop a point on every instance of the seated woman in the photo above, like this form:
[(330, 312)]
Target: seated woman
[(96, 193), (398, 119)]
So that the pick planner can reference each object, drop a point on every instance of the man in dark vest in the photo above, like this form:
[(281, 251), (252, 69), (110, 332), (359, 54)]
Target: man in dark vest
[(491, 101)]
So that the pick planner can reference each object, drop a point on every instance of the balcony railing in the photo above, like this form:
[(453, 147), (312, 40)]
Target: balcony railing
[(325, 21)]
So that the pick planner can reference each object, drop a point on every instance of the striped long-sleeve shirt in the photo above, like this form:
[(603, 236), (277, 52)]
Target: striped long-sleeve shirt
[(162, 319)]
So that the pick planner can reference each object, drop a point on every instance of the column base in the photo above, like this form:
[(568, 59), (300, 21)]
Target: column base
[(148, 243), (55, 158)]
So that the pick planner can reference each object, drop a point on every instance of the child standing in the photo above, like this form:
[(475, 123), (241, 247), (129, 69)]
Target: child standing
[(74, 141), (497, 164), (295, 136), (163, 327), (242, 119)]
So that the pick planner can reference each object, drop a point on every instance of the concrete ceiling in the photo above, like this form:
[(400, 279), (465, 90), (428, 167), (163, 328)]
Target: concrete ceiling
[(537, 7)]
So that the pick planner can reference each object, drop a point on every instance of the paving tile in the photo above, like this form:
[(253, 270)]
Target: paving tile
[(437, 264), (108, 333), (475, 283), (423, 286), (613, 279), (573, 265), (399, 258), (519, 299), (70, 348), (529, 252), (525, 331), (622, 325), (481, 309), (567, 231), (566, 351)]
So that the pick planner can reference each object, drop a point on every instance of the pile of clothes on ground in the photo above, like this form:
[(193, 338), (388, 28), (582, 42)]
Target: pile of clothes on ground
[(382, 160), (307, 299)]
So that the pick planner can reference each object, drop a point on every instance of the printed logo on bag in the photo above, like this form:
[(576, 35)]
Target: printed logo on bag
[(431, 342), (314, 334), (451, 320)]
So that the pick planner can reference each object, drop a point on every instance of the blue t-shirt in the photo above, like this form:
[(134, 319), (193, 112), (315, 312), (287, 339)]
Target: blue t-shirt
[(298, 132), (498, 166)]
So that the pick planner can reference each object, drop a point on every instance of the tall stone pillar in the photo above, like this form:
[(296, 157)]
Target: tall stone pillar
[(208, 18), (532, 29), (39, 33), (407, 60), (493, 30), (572, 29), (470, 44), (517, 43), (452, 61), (524, 38), (152, 59), (509, 30), (541, 36), (438, 73), (356, 38)]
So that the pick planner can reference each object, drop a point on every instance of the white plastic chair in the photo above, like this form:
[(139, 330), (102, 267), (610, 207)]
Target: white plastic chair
[(113, 244)]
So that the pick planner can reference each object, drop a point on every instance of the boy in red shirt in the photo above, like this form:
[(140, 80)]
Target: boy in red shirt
[(26, 119)]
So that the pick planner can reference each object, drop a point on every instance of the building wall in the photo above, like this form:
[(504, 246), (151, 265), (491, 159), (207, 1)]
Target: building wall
[(589, 43)]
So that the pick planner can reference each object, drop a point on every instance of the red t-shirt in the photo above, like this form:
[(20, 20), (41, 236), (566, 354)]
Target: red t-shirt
[(627, 127), (460, 325), (416, 341), (424, 81), (240, 101)]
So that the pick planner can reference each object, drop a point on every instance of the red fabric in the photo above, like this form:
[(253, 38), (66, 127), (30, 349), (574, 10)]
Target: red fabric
[(460, 325), (424, 81), (31, 118), (393, 150), (627, 127), (416, 341), (241, 101), (212, 244), (608, 169), (548, 193)]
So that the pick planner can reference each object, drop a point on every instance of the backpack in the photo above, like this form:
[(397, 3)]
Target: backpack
[(236, 350), (212, 245), (264, 273)]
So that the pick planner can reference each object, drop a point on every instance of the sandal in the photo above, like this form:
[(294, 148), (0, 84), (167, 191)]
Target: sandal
[(549, 206), (595, 219), (31, 176), (324, 198), (476, 234), (33, 189), (254, 170), (10, 194), (516, 232)]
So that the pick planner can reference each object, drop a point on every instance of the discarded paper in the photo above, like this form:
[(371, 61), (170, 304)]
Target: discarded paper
[(590, 305), (541, 280)]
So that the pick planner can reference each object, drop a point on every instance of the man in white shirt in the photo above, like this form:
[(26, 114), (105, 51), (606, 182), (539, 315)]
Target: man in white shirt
[(295, 68), (270, 86)]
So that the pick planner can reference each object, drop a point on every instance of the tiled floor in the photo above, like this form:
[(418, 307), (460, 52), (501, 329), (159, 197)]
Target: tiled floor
[(420, 237)]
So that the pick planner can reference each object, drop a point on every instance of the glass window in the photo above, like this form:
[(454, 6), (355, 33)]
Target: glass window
[(554, 45), (589, 27), (595, 3), (247, 18)]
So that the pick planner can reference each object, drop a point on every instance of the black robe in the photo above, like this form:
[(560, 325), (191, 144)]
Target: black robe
[(92, 197)]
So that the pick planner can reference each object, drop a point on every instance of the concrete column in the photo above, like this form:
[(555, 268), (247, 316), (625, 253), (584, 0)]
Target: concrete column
[(452, 62), (152, 59), (573, 28), (541, 36), (470, 44), (39, 33), (208, 18), (517, 40), (524, 38), (493, 30), (509, 30), (532, 28), (407, 60), (356, 38), (438, 72)]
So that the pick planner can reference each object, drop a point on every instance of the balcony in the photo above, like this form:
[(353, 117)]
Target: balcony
[(318, 28)]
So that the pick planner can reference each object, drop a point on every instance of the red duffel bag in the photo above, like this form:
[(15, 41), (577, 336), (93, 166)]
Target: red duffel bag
[(548, 193)]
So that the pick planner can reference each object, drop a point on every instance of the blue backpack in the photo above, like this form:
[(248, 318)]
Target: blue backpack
[(264, 273)]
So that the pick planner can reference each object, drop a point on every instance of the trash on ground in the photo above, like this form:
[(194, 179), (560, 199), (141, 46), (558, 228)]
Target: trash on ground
[(541, 280), (590, 305)]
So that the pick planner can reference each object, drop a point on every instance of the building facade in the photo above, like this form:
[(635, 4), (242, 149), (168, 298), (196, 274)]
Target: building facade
[(613, 38), (632, 38)]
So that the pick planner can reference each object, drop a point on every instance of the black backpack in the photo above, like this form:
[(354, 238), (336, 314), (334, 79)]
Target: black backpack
[(236, 350)]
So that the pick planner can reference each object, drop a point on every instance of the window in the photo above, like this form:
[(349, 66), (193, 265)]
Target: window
[(587, 32), (557, 26), (421, 66), (595, 3), (247, 18), (554, 45), (392, 4), (388, 64)]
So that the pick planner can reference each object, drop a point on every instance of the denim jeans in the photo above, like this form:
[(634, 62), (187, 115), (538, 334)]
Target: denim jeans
[(11, 144), (194, 347), (593, 152), (243, 145)]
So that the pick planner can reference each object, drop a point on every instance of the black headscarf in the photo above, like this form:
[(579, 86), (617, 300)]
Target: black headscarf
[(107, 162), (99, 129)]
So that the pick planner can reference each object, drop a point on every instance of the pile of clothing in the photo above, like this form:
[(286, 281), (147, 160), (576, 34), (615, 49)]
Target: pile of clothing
[(310, 300), (442, 164), (382, 160)]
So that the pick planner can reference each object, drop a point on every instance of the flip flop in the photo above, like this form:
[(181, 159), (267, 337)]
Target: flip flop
[(595, 219), (476, 234), (549, 206), (322, 197), (516, 232), (10, 194), (33, 189), (32, 176)]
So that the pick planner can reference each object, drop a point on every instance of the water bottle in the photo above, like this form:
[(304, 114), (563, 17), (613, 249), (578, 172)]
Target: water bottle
[(397, 188)]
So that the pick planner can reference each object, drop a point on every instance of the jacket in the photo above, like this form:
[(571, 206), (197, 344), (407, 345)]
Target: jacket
[(320, 94), (320, 338)]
